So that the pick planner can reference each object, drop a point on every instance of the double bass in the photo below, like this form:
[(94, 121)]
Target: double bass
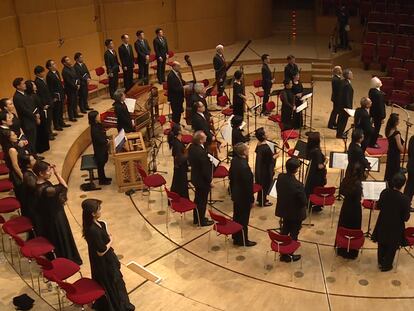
[(189, 91)]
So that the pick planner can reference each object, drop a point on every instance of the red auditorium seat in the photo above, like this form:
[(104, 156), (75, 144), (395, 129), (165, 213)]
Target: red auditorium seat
[(408, 86), (392, 63), (400, 98), (400, 39), (403, 19), (387, 85), (368, 54), (386, 38), (384, 53), (371, 37), (409, 65), (380, 7), (399, 74), (403, 52), (100, 71), (377, 17), (364, 10), (406, 29)]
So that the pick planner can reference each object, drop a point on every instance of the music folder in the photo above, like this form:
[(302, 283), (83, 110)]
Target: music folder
[(213, 160), (350, 112), (339, 160), (120, 140), (302, 107), (371, 190), (272, 192)]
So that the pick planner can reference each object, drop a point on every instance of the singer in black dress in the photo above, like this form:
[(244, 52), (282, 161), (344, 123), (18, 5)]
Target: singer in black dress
[(297, 90), (288, 104), (237, 133), (179, 183), (395, 147), (238, 94)]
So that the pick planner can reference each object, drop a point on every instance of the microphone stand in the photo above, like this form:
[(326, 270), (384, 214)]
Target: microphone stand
[(408, 124)]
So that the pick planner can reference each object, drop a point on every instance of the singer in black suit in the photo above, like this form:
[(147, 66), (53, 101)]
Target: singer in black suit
[(84, 77), (72, 84), (241, 188), (291, 69), (143, 53), (267, 80), (161, 53), (112, 66), (176, 92), (122, 114), (126, 55), (336, 83), (377, 110), (346, 100), (362, 120), (54, 82), (355, 152), (201, 176), (199, 121), (46, 98), (219, 64)]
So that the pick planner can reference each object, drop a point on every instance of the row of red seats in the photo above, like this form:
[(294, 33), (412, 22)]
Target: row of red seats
[(391, 17), (397, 92), (405, 29), (387, 56), (403, 6), (389, 38)]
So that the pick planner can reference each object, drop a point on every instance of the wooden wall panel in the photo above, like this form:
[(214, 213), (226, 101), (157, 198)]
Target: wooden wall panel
[(34, 6), (253, 21), (12, 64), (39, 28), (78, 21), (6, 8), (65, 4), (10, 34)]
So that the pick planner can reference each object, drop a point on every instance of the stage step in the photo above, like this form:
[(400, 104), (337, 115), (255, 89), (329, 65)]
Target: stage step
[(321, 77), (317, 71), (327, 66)]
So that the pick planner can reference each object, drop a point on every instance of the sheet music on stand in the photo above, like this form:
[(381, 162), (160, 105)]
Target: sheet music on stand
[(375, 163), (272, 191), (130, 103), (339, 160), (371, 190), (120, 140), (226, 132), (213, 160), (301, 107), (351, 112)]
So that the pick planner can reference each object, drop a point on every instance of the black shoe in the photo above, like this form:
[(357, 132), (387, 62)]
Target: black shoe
[(66, 125), (79, 116), (287, 258), (105, 182), (88, 108), (333, 127), (73, 120), (84, 111), (52, 138), (385, 269), (411, 210), (250, 243), (343, 136), (264, 204), (53, 134), (59, 129)]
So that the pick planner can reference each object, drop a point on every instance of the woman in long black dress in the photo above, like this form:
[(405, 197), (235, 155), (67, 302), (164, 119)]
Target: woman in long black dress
[(6, 104), (105, 266), (237, 133), (264, 167), (297, 90), (180, 180), (42, 136), (288, 105), (238, 94), (50, 206), (395, 147), (28, 191), (316, 176), (350, 216)]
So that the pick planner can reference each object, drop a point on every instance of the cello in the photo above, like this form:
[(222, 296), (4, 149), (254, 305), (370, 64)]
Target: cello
[(189, 91)]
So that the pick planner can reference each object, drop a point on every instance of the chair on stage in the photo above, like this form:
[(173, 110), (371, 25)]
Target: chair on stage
[(349, 239), (220, 172), (180, 205), (322, 196), (170, 56), (409, 239), (224, 226), (282, 244), (18, 225), (223, 102), (370, 205), (258, 84), (153, 58), (100, 71), (256, 189), (151, 181), (287, 134), (270, 106)]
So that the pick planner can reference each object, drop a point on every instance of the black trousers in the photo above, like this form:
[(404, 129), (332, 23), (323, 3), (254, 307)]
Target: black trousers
[(49, 118), (58, 114), (291, 228), (342, 120), (113, 84), (31, 136), (83, 97), (177, 110), (409, 186), (366, 142), (143, 72), (241, 215), (101, 168), (386, 254), (200, 199), (72, 99), (343, 37), (128, 78), (334, 115), (377, 127), (220, 87), (161, 70), (266, 96)]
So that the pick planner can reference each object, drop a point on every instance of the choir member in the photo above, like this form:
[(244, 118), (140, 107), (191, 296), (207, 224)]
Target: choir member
[(123, 117), (199, 121), (179, 183), (297, 90), (54, 82), (395, 148), (161, 53), (362, 120), (343, 24), (72, 85), (126, 55), (316, 175), (239, 98), (105, 265), (199, 96), (291, 69), (346, 100), (409, 187), (336, 83), (84, 78), (46, 97), (291, 204), (377, 111), (27, 112), (219, 64), (28, 190), (7, 106), (267, 81), (264, 167), (6, 120), (100, 143), (355, 152), (112, 66), (350, 216), (42, 133), (201, 177), (389, 230), (236, 132), (143, 54), (176, 84), (51, 206), (241, 188), (288, 105)]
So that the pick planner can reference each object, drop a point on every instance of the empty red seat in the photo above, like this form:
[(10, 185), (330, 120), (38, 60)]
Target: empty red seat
[(371, 37), (5, 185), (3, 169), (377, 17), (408, 86), (400, 39), (380, 7), (409, 65), (406, 29), (9, 205), (403, 52), (392, 63), (386, 38), (400, 98), (83, 292), (387, 85), (100, 71), (368, 54), (399, 74), (384, 53)]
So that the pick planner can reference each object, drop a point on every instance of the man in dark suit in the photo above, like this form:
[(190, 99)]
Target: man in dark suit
[(126, 54), (143, 56), (267, 81), (45, 96), (199, 96), (355, 152), (291, 203), (112, 66), (219, 64), (54, 82), (291, 69), (72, 84), (199, 121), (122, 114), (335, 97), (201, 177), (346, 101), (84, 78), (27, 112), (377, 111), (362, 120), (176, 92), (241, 188), (161, 53)]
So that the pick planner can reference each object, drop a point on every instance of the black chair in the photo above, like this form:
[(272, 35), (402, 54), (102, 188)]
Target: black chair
[(88, 164)]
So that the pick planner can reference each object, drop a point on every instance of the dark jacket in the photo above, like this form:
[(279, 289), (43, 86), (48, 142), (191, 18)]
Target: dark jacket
[(127, 58), (357, 155), (123, 117), (346, 95), (377, 110), (160, 47), (83, 73), (219, 65), (99, 142), (201, 167), (241, 181), (143, 49), (266, 77), (25, 109), (237, 136), (198, 123), (410, 162), (54, 82), (43, 92), (111, 62), (70, 79), (291, 198), (175, 88), (290, 71), (336, 83), (362, 120)]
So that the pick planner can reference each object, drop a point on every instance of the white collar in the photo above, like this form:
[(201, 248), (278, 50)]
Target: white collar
[(21, 92)]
